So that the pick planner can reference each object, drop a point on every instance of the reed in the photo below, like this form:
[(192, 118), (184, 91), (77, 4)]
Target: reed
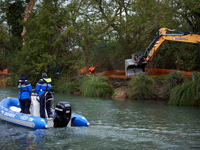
[(186, 94), (12, 81), (142, 87), (173, 79), (96, 86), (66, 85)]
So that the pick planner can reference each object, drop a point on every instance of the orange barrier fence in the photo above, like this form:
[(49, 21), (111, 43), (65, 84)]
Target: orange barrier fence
[(148, 71), (5, 71), (84, 70), (114, 74), (163, 72)]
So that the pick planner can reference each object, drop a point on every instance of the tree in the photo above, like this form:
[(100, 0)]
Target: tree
[(14, 17), (49, 43), (188, 14), (11, 28)]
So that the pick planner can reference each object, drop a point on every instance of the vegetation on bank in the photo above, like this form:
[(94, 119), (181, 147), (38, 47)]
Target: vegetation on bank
[(142, 87), (96, 86), (173, 79), (89, 86), (187, 93), (176, 88)]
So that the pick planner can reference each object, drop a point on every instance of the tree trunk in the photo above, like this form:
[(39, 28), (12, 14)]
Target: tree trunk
[(28, 9)]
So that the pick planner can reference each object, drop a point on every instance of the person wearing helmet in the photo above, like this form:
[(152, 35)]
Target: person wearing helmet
[(25, 90), (44, 90), (92, 69)]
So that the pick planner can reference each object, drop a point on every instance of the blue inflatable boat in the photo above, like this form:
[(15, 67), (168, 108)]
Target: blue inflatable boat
[(62, 116)]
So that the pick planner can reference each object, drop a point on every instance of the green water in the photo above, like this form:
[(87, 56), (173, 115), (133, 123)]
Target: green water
[(114, 125)]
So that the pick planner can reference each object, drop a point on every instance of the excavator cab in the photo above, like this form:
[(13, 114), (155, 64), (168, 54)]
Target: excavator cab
[(136, 65)]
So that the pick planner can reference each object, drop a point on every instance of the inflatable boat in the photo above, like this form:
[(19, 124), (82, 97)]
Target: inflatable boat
[(62, 116)]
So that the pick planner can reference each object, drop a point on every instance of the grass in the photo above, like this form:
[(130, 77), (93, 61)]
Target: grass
[(186, 94), (173, 79), (66, 85), (142, 87), (96, 86)]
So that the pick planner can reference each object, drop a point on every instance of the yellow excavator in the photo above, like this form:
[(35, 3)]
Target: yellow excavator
[(138, 62)]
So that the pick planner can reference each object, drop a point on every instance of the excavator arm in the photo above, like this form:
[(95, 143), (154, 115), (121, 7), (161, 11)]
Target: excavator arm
[(177, 36), (137, 64)]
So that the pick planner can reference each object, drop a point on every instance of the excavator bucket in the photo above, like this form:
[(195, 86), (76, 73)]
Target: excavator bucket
[(136, 65), (132, 68)]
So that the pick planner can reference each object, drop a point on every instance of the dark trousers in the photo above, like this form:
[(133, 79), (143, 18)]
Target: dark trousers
[(45, 104), (25, 105)]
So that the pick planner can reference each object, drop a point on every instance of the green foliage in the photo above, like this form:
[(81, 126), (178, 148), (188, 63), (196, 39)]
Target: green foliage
[(49, 43), (173, 79), (4, 42), (12, 81), (142, 87), (96, 86), (177, 55), (187, 94), (159, 78), (10, 32), (66, 85), (186, 12), (14, 17), (181, 94), (101, 53)]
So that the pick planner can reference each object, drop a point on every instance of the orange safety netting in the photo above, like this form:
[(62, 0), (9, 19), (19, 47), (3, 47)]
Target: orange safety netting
[(5, 71), (163, 72), (84, 70), (148, 71)]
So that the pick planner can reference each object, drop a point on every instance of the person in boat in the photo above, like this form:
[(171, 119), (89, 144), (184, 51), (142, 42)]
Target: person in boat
[(44, 90), (25, 90), (136, 59)]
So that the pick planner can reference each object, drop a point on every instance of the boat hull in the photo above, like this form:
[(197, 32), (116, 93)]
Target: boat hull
[(30, 121)]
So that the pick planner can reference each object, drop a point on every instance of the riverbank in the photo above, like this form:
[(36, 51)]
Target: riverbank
[(3, 79), (121, 84), (121, 87)]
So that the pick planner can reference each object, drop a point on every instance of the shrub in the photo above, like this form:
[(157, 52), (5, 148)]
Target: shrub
[(66, 85), (142, 87), (187, 94), (173, 79), (96, 86)]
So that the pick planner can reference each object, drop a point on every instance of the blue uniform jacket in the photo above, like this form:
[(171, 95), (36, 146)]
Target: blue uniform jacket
[(43, 85), (25, 88)]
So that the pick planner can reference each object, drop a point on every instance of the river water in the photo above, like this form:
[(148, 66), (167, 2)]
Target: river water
[(114, 125)]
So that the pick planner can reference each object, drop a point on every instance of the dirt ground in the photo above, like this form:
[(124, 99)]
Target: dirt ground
[(120, 88)]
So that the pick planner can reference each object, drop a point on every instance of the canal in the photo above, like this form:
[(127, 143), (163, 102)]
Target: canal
[(114, 125)]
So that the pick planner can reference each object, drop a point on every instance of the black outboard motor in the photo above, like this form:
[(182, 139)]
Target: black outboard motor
[(62, 114)]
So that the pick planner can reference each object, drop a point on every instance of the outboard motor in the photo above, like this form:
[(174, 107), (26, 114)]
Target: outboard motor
[(62, 114)]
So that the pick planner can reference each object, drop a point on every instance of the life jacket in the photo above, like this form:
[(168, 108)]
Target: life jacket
[(48, 82), (22, 86), (43, 85), (25, 89)]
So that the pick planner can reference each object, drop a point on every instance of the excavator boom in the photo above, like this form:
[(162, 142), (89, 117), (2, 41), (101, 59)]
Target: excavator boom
[(137, 64)]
